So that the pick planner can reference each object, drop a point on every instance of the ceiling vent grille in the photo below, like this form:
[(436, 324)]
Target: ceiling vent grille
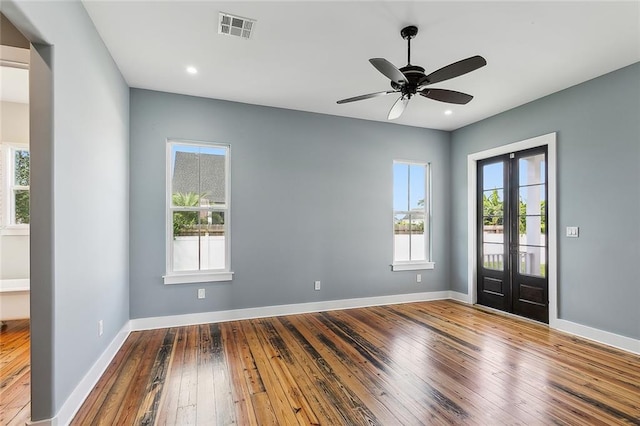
[(235, 26)]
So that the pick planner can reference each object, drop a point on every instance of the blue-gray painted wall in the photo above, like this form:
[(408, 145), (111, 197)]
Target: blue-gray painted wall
[(598, 181), (80, 240), (311, 199)]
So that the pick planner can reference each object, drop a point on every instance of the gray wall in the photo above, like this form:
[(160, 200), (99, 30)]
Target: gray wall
[(311, 199), (79, 231), (598, 147)]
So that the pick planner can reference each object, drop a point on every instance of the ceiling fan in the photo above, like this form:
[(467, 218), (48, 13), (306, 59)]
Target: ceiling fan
[(411, 79)]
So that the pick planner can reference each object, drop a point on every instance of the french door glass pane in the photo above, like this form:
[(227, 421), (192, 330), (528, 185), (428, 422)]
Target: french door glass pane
[(532, 260), (532, 169), (492, 234), (493, 176), (493, 256)]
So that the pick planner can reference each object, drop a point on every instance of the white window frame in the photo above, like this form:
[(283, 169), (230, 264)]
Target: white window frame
[(8, 226), (207, 275), (427, 263)]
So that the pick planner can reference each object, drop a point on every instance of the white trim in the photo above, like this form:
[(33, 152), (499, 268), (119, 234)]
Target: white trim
[(86, 385), (417, 266), (279, 310), (428, 216), (460, 297), (15, 231), (552, 268), (21, 284), (198, 277), (173, 277), (600, 336)]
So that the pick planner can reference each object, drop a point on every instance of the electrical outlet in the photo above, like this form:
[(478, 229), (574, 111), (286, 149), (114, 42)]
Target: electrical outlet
[(100, 328), (316, 285), (201, 293), (418, 278)]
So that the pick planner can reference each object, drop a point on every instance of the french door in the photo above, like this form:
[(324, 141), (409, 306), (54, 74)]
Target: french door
[(512, 233)]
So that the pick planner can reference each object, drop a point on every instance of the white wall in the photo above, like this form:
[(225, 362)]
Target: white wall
[(14, 248)]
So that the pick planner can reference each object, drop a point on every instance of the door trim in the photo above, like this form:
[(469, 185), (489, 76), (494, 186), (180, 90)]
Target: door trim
[(472, 182)]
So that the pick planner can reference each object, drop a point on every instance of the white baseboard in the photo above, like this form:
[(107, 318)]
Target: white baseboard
[(279, 310), (621, 342), (460, 297), (80, 393)]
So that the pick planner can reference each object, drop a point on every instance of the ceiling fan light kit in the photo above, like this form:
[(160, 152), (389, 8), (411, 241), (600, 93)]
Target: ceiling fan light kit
[(411, 79)]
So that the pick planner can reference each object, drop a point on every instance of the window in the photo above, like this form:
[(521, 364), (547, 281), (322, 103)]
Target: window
[(197, 212), (15, 188), (411, 216)]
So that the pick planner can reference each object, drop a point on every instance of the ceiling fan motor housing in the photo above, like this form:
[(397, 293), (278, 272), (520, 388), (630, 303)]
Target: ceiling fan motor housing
[(414, 75)]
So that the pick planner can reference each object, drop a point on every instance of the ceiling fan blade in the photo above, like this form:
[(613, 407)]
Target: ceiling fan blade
[(454, 70), (444, 95), (363, 97), (389, 70), (398, 108)]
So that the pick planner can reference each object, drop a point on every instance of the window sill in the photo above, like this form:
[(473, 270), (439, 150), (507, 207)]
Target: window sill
[(15, 230), (416, 266), (197, 277)]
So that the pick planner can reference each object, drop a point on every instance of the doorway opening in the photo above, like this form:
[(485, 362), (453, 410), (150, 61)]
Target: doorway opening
[(512, 235), (543, 250), (15, 167)]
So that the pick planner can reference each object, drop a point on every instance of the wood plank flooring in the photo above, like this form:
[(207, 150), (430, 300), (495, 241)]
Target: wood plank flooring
[(15, 373), (419, 363)]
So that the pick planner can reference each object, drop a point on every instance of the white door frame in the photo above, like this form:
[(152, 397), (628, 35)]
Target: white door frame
[(548, 140)]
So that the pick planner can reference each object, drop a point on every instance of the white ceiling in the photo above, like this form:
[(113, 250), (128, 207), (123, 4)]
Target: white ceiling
[(307, 55)]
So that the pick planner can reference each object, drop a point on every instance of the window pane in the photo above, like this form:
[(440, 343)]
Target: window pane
[(493, 176), (492, 233), (185, 176), (532, 261), (493, 203), (198, 176), (401, 235), (22, 207), (532, 169), (400, 186), (21, 174), (493, 256), (212, 241), (185, 241), (416, 186), (212, 176), (417, 237)]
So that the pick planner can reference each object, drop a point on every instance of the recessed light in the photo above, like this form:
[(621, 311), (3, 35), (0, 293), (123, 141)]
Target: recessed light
[(448, 112), (192, 70)]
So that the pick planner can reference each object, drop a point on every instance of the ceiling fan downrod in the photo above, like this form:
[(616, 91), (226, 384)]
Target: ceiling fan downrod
[(408, 33)]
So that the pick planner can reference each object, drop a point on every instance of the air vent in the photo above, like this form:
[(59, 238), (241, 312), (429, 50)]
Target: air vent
[(235, 26)]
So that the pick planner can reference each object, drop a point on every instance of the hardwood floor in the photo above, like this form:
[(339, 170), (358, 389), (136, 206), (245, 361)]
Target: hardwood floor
[(419, 363), (15, 373)]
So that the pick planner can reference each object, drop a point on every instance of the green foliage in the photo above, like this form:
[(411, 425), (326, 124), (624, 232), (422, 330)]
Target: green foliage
[(22, 207), (184, 220), (493, 208), (21, 168), (21, 178)]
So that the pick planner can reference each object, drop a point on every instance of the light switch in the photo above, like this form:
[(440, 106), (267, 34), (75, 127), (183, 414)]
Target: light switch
[(573, 231)]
